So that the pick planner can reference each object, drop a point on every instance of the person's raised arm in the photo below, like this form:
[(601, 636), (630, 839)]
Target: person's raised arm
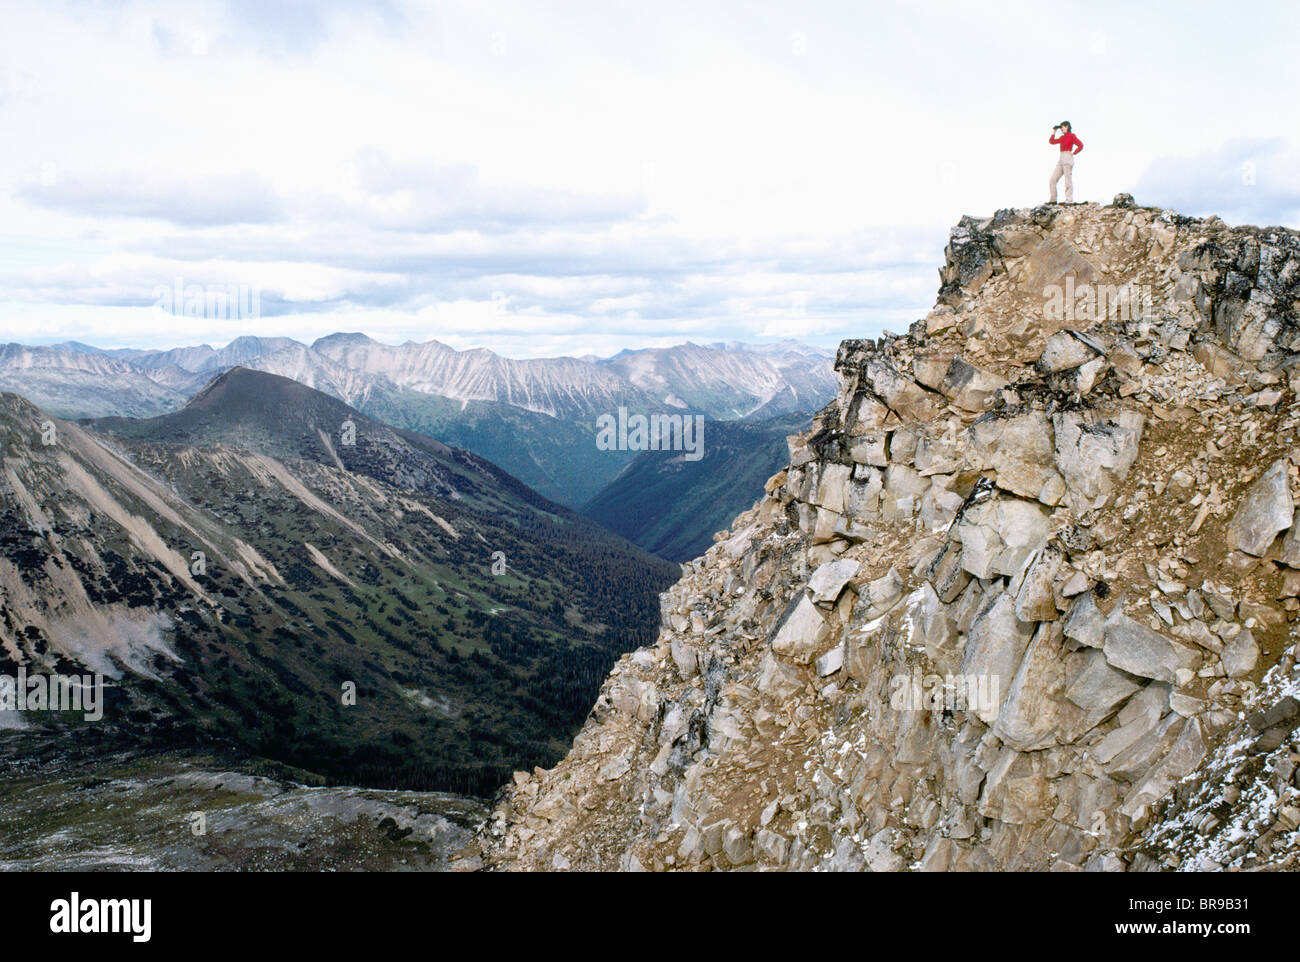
[(1054, 139)]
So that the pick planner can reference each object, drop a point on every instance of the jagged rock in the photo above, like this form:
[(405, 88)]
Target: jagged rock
[(878, 596), (1286, 712), (1240, 655), (1219, 600), (994, 646), (1249, 325), (930, 369), (829, 580), (1265, 511), (947, 574), (934, 627), (869, 449), (1082, 379), (1052, 262), (737, 846), (1034, 598), (968, 387), (1181, 759), (1136, 759), (1186, 705), (1064, 350), (1030, 480), (938, 456), (1020, 450), (1085, 623), (801, 636), (830, 662), (1000, 535), (1220, 362), (1098, 688), (1137, 718), (771, 847), (1136, 649), (900, 393), (779, 680), (969, 260), (1092, 453), (1076, 584), (1027, 718)]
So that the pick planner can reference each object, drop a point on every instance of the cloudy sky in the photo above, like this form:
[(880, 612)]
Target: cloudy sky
[(570, 177)]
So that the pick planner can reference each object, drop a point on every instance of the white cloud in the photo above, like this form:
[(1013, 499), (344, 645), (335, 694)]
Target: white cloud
[(1247, 180), (683, 169)]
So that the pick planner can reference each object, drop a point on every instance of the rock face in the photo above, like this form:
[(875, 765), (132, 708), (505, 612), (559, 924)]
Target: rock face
[(1017, 591)]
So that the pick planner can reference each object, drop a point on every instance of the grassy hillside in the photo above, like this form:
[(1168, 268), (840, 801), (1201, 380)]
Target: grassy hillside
[(556, 458), (326, 565)]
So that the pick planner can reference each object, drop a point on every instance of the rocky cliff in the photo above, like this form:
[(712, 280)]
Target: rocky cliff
[(1023, 598)]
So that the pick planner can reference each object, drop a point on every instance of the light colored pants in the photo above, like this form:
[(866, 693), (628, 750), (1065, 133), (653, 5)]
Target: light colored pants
[(1064, 166)]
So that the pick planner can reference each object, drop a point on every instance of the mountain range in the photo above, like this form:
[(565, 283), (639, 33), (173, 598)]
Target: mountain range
[(536, 418), (723, 380)]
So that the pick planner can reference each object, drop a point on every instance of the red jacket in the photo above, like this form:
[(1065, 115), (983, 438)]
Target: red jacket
[(1067, 141)]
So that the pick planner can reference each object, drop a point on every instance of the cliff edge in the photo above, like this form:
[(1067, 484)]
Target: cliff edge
[(1023, 599)]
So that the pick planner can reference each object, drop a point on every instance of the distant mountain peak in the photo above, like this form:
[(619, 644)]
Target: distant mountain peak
[(343, 339), (241, 384)]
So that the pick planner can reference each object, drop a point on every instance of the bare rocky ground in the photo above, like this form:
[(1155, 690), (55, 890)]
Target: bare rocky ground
[(137, 813), (1087, 516)]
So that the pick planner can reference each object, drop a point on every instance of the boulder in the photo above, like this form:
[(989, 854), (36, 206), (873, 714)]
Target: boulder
[(1249, 325), (1219, 361), (946, 572), (880, 595), (1027, 718), (801, 635), (1093, 452), (1085, 623), (1034, 598), (970, 387), (900, 393), (930, 369), (1240, 655), (868, 449), (831, 662), (1027, 436), (1137, 718), (1000, 535), (1063, 351), (1136, 649), (1182, 758), (1051, 263), (1098, 688), (994, 646), (1135, 760), (1264, 512), (829, 580), (1020, 449)]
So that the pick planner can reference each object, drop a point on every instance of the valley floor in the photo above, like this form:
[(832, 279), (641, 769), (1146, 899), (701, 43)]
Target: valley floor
[(133, 812)]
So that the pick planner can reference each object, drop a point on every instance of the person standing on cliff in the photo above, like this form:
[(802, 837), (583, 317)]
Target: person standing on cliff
[(1070, 146)]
